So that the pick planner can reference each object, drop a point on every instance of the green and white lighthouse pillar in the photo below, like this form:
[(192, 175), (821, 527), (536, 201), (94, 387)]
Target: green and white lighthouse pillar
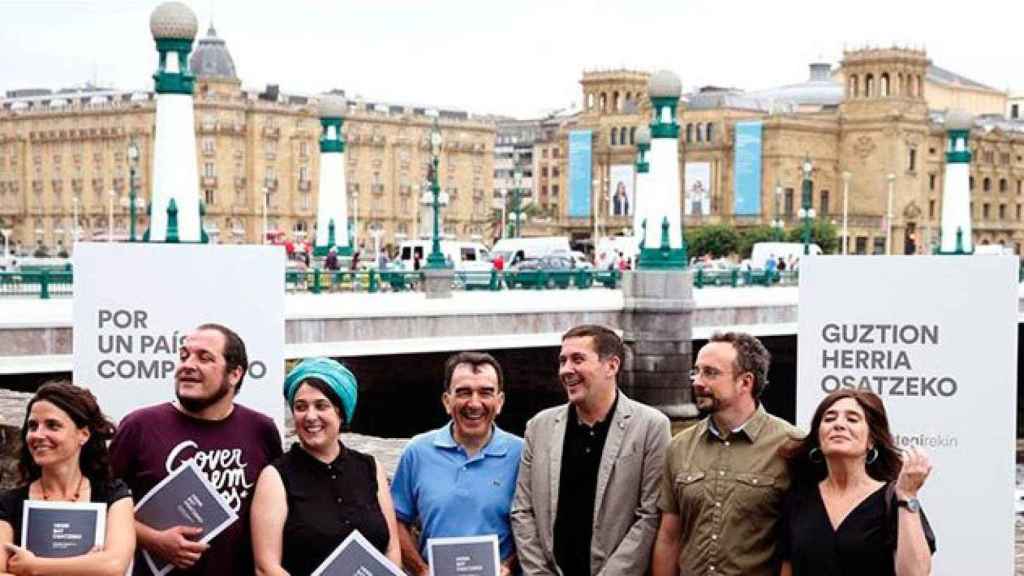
[(657, 316), (663, 247), (955, 234), (641, 196), (175, 213), (332, 207)]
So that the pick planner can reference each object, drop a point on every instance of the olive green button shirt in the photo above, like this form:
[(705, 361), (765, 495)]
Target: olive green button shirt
[(727, 490)]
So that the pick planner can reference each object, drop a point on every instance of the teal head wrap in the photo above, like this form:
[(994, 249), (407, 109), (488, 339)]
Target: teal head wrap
[(338, 378)]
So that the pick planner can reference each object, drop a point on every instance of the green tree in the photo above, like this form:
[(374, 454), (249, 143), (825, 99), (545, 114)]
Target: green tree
[(719, 240), (823, 233), (751, 236)]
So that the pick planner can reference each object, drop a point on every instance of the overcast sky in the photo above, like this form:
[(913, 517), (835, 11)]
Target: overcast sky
[(517, 57)]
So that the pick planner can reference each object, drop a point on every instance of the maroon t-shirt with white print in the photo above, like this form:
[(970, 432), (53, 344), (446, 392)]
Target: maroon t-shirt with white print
[(152, 442)]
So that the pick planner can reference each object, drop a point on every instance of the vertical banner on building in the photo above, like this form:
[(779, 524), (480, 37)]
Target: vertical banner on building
[(134, 303), (698, 189), (580, 174), (620, 190), (936, 338), (747, 168)]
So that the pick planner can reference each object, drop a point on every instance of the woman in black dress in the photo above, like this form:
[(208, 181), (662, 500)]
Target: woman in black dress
[(64, 458), (309, 500), (852, 508)]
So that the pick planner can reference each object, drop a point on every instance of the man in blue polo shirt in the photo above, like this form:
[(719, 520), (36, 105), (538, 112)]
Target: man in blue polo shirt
[(459, 480)]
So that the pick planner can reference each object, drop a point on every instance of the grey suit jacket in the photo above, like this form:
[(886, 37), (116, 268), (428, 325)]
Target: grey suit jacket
[(625, 507)]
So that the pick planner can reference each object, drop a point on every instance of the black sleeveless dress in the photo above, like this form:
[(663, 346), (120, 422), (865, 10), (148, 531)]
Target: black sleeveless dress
[(326, 502)]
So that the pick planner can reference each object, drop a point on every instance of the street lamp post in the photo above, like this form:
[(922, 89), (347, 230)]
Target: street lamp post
[(517, 193), (133, 158), (110, 215), (436, 259), (846, 210), (806, 212), (504, 216), (595, 184), (778, 224), (888, 216)]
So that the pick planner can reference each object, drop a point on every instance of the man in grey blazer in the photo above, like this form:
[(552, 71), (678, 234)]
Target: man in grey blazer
[(586, 498)]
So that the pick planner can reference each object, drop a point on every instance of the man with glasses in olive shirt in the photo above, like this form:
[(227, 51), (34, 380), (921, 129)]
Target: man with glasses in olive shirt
[(586, 497), (723, 483)]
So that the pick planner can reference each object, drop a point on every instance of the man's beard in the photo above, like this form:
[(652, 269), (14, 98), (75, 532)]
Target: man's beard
[(199, 404), (710, 406)]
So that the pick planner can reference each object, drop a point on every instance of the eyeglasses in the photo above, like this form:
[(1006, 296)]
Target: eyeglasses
[(705, 372)]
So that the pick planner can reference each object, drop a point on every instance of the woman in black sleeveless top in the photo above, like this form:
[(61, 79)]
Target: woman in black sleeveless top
[(312, 498)]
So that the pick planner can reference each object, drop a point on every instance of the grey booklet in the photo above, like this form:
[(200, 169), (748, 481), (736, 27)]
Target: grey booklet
[(355, 556), (464, 556), (62, 529), (183, 498)]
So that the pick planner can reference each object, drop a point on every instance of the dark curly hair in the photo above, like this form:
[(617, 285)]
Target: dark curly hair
[(751, 356), (885, 468), (80, 405)]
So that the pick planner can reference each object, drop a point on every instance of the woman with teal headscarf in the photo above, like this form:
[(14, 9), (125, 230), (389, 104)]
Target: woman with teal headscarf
[(317, 493)]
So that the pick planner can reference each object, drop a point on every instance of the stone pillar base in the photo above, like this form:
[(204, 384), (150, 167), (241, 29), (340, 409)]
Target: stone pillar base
[(437, 282), (658, 329)]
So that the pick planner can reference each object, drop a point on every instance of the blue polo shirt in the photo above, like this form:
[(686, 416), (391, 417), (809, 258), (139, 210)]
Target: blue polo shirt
[(452, 494)]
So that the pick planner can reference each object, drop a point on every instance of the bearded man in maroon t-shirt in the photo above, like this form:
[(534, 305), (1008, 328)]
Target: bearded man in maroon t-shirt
[(229, 442)]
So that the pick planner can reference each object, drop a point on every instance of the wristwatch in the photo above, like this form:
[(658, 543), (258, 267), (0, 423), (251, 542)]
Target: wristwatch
[(912, 505)]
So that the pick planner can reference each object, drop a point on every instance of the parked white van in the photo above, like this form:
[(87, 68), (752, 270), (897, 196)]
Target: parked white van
[(466, 256), (761, 251), (513, 250)]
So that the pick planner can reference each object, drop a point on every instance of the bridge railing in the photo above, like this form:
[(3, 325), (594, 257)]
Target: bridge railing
[(47, 283)]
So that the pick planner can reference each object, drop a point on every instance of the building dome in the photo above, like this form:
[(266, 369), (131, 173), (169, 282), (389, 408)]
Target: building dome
[(958, 119), (173, 20), (819, 90), (211, 58), (664, 84), (331, 106), (643, 135)]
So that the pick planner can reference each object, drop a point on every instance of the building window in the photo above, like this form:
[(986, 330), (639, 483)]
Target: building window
[(970, 183), (861, 245), (1018, 212), (789, 202), (879, 245), (1015, 111), (883, 84), (700, 131), (555, 172), (303, 173), (709, 132), (931, 182), (869, 86), (689, 133), (303, 148), (824, 203), (1003, 185), (931, 209), (543, 171), (208, 145), (912, 160), (986, 184), (554, 194), (614, 135), (632, 135), (209, 197), (1002, 211), (985, 211), (209, 170)]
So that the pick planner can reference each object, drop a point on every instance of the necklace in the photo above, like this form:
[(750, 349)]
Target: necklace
[(78, 489)]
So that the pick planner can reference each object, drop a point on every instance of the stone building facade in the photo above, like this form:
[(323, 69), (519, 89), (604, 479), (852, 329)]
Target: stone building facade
[(66, 154), (879, 113)]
